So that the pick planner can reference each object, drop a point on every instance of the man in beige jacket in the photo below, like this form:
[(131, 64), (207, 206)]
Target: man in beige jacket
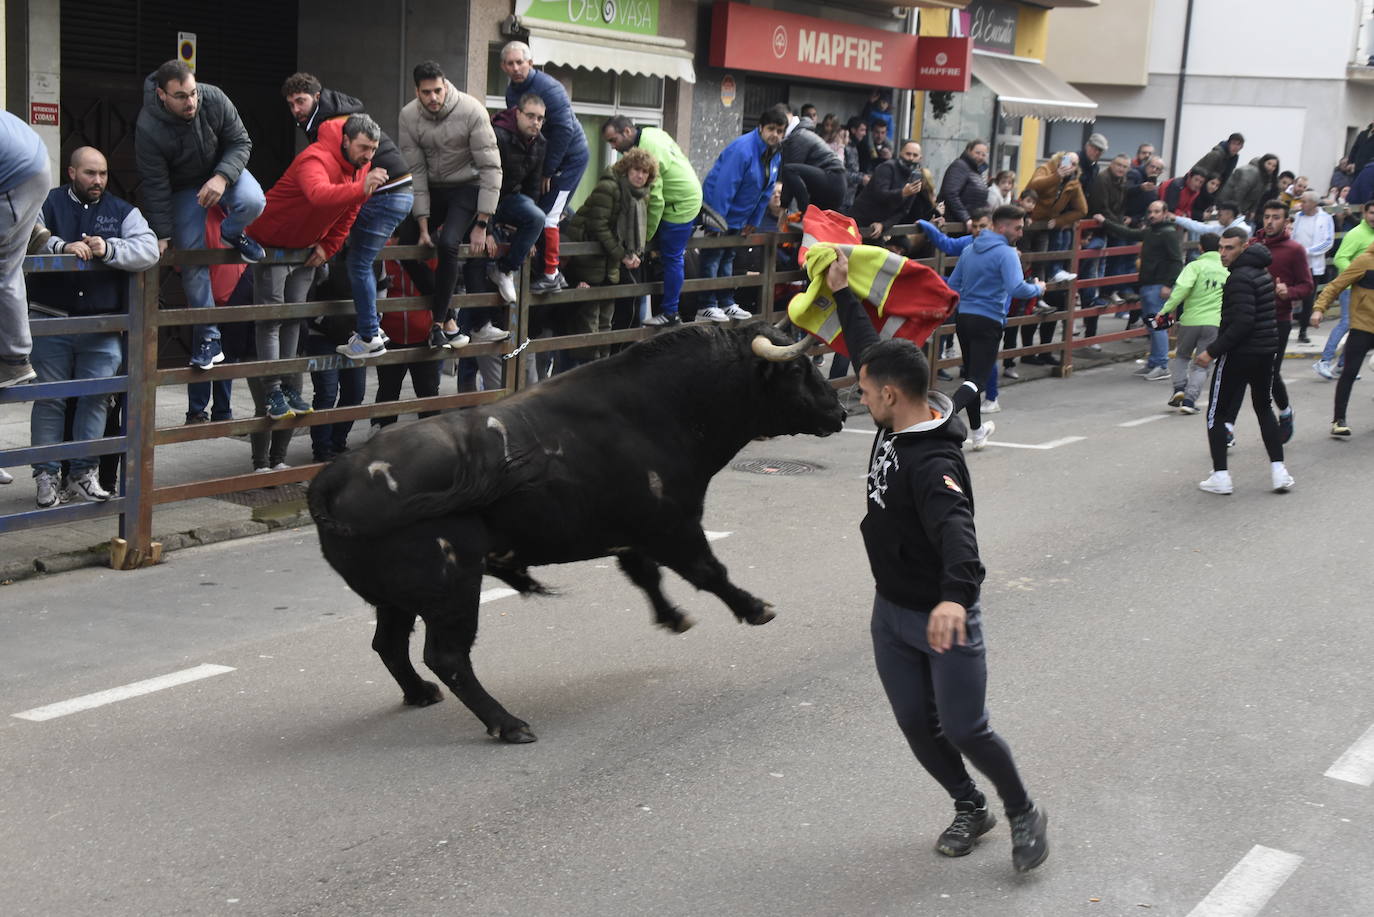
[(446, 137)]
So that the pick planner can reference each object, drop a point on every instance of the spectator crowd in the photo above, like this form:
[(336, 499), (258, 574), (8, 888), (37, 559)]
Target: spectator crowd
[(456, 176)]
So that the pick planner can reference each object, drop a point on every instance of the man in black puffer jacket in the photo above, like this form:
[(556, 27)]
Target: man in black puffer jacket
[(810, 172), (1244, 353), (964, 189)]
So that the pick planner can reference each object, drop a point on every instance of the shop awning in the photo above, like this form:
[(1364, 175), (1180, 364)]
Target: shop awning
[(614, 52), (1028, 89)]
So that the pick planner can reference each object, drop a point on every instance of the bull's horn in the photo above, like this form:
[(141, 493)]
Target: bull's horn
[(776, 353)]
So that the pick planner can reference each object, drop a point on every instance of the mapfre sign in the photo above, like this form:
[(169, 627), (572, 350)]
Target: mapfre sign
[(944, 64), (769, 41)]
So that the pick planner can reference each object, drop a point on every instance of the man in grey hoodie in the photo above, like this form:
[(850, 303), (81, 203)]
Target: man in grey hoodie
[(192, 151)]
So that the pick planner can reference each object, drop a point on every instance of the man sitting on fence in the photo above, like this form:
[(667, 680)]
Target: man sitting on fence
[(87, 222)]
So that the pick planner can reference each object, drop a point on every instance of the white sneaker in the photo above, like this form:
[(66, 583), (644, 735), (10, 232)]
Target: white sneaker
[(1323, 369), (86, 486), (504, 280), (980, 435), (6, 477), (713, 314), (1063, 276), (736, 312), (360, 349), (1218, 483), (990, 407), (1281, 478), (47, 489), (1115, 299), (489, 334)]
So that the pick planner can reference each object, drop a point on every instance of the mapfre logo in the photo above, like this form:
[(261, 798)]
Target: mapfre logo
[(780, 42), (941, 59)]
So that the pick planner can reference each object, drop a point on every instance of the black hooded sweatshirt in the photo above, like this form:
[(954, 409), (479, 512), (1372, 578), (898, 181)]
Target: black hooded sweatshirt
[(334, 104), (919, 533)]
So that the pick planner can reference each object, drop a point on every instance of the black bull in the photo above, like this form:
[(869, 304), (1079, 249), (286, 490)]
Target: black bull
[(613, 458)]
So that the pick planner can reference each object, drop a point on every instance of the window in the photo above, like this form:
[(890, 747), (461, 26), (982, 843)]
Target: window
[(1006, 146)]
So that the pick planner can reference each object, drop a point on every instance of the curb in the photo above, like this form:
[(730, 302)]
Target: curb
[(99, 555)]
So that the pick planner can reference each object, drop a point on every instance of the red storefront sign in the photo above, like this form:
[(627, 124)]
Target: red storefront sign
[(43, 113), (944, 64), (769, 41)]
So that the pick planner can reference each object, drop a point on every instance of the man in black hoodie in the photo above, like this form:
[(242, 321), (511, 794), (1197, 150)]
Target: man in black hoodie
[(311, 105), (927, 621), (1244, 353)]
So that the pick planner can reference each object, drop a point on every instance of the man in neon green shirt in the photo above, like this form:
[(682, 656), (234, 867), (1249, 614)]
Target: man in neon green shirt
[(1354, 243), (1198, 291)]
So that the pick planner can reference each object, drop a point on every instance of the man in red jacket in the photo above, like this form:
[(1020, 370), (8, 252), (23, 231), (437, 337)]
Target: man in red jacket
[(1292, 284), (312, 206)]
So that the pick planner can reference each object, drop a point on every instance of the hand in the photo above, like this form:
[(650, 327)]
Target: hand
[(910, 189), (96, 244), (80, 249), (748, 230), (374, 180), (863, 178), (478, 238), (317, 256), (1148, 186), (837, 275), (162, 245), (630, 261), (1040, 284), (1099, 219), (937, 221), (1281, 289), (948, 621), (1165, 290), (1203, 359), (424, 238), (1315, 320), (1050, 223), (491, 246), (874, 230), (211, 191), (544, 184)]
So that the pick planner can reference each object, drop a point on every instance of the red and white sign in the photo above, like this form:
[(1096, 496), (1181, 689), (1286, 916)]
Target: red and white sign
[(769, 41), (45, 113), (944, 64)]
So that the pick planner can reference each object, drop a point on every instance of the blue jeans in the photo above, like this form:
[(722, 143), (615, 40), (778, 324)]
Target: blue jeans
[(672, 243), (1151, 301), (341, 388), (1333, 340), (718, 262), (1093, 268), (62, 357), (244, 202), (524, 214), (376, 222)]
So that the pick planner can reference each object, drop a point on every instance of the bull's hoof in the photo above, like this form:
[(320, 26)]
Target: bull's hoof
[(429, 694), (678, 624), (517, 733), (763, 615)]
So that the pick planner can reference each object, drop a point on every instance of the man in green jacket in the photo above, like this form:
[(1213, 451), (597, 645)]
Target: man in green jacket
[(674, 202), (1353, 243), (1197, 296)]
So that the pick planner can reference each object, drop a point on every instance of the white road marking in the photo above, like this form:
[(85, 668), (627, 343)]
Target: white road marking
[(1052, 444), (491, 595), (1249, 885), (1144, 420), (863, 432), (717, 536), (1357, 764), (136, 689)]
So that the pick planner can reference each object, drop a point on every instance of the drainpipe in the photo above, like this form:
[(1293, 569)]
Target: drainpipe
[(1182, 75), (905, 121)]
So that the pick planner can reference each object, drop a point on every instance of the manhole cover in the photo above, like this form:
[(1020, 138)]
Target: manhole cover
[(774, 466), (265, 496)]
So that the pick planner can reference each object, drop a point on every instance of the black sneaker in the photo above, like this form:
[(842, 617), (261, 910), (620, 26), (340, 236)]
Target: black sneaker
[(1177, 398), (970, 823), (1285, 425), (1029, 845), (299, 406), (437, 338)]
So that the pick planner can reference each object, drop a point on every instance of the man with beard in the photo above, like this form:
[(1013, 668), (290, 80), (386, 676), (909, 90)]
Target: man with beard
[(91, 224), (896, 191), (1292, 284)]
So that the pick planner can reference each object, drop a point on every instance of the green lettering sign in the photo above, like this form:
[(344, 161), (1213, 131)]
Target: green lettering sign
[(637, 16)]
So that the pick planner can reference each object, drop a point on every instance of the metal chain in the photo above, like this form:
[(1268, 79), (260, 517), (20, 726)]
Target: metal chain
[(516, 352)]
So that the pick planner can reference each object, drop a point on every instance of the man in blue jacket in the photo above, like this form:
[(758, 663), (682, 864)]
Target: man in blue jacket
[(987, 277), (93, 225), (738, 187), (565, 159)]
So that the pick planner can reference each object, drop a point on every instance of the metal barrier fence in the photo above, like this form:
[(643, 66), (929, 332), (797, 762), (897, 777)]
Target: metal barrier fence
[(137, 444)]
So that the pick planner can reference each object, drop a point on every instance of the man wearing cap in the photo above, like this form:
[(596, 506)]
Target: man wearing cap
[(1087, 160)]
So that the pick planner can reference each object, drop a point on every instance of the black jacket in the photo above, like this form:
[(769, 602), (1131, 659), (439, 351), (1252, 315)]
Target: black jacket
[(806, 147), (1218, 159), (522, 161), (1161, 250), (881, 199), (1108, 197), (333, 104), (963, 189), (1247, 307)]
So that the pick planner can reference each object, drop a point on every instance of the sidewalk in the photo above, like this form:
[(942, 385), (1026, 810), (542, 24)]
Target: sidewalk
[(209, 520)]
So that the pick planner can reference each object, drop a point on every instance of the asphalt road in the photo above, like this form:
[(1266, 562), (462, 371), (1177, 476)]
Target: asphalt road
[(1175, 671)]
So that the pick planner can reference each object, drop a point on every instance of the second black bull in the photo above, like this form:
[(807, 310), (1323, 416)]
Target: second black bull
[(613, 458)]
